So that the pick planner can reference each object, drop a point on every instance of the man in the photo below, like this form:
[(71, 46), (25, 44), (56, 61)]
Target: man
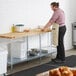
[(59, 18)]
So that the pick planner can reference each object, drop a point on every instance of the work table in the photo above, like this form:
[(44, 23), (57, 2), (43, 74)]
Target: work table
[(11, 38), (23, 34)]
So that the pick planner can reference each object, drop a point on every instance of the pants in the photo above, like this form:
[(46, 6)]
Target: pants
[(60, 47)]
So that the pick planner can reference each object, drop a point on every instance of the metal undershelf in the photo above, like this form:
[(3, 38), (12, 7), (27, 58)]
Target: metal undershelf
[(18, 60)]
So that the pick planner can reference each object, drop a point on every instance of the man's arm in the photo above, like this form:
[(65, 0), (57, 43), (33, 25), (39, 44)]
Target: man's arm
[(47, 25), (52, 20)]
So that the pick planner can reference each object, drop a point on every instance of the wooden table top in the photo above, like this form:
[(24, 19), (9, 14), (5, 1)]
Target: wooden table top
[(23, 34)]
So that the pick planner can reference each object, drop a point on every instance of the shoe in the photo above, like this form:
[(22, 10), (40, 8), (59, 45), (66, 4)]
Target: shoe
[(59, 61), (54, 59)]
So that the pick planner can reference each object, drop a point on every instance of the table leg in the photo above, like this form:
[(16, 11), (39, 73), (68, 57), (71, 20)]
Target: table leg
[(51, 39), (40, 46), (51, 44), (27, 46), (10, 57)]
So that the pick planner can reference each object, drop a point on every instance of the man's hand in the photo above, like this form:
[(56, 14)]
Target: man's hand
[(42, 29)]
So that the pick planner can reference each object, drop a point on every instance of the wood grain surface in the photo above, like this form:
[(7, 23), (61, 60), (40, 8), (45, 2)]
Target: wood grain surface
[(23, 34)]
